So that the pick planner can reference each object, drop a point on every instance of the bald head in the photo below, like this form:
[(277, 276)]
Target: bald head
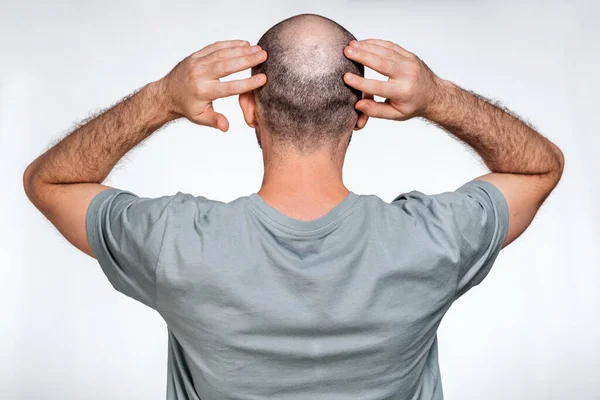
[(305, 103)]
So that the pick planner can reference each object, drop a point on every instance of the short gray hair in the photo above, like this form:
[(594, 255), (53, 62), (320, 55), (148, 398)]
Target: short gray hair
[(305, 103)]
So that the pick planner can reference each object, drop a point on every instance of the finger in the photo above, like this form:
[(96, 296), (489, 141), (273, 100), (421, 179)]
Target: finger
[(227, 53), (230, 88), (363, 117), (370, 86), (371, 60), (227, 67), (377, 109), (221, 122), (219, 45), (389, 45), (212, 119), (376, 49)]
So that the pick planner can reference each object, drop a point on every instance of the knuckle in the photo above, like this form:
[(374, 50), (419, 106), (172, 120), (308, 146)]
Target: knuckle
[(221, 66), (199, 69), (198, 89), (390, 53), (192, 73), (220, 54), (358, 83), (231, 88), (381, 64), (410, 87), (389, 66), (237, 87), (412, 70), (376, 61)]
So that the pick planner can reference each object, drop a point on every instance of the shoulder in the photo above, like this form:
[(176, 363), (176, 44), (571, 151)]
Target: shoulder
[(204, 210)]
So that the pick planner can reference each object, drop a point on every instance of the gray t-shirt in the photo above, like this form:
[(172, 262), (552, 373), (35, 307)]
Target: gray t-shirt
[(259, 305)]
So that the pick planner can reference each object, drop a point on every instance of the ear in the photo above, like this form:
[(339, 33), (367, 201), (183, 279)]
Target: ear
[(248, 106), (362, 117)]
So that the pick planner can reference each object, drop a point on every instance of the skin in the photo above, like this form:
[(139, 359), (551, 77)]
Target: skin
[(524, 165), (62, 182), (301, 186)]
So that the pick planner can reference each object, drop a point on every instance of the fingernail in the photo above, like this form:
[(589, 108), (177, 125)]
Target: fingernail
[(354, 43), (261, 78), (350, 50), (349, 77), (254, 49)]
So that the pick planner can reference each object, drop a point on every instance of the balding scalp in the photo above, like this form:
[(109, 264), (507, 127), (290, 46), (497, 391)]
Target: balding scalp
[(305, 103)]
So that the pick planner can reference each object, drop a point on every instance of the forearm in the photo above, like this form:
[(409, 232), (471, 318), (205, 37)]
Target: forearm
[(89, 153), (504, 142)]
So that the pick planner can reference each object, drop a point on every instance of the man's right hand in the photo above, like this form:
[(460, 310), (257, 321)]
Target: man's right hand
[(412, 88), (191, 87), (525, 165)]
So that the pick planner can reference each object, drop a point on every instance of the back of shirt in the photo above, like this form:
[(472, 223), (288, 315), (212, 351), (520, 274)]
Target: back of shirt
[(260, 305)]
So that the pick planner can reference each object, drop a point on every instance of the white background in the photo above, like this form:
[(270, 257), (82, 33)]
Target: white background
[(529, 331)]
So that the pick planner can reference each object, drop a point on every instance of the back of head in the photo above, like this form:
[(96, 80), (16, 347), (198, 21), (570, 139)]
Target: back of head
[(305, 104)]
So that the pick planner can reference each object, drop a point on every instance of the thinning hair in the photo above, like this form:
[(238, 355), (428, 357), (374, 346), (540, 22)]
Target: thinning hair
[(305, 103)]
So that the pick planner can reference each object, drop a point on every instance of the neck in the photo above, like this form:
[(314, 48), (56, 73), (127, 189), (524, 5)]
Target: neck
[(303, 187)]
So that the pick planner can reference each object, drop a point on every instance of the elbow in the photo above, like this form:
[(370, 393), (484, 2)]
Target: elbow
[(560, 159), (27, 182), (559, 165), (30, 184)]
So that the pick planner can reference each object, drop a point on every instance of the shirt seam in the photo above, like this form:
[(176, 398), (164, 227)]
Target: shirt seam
[(498, 215), (105, 206), (256, 209), (162, 242)]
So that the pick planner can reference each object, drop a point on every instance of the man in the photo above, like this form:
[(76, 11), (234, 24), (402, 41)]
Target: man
[(303, 290)]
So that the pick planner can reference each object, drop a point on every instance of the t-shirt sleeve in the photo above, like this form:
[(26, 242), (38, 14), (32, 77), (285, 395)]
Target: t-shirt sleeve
[(125, 233), (472, 222)]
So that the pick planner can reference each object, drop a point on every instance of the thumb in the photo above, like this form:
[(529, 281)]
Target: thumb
[(212, 119), (378, 109)]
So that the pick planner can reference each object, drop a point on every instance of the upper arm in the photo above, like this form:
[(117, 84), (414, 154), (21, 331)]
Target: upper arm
[(122, 231), (524, 194), (467, 227), (474, 222), (66, 206)]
